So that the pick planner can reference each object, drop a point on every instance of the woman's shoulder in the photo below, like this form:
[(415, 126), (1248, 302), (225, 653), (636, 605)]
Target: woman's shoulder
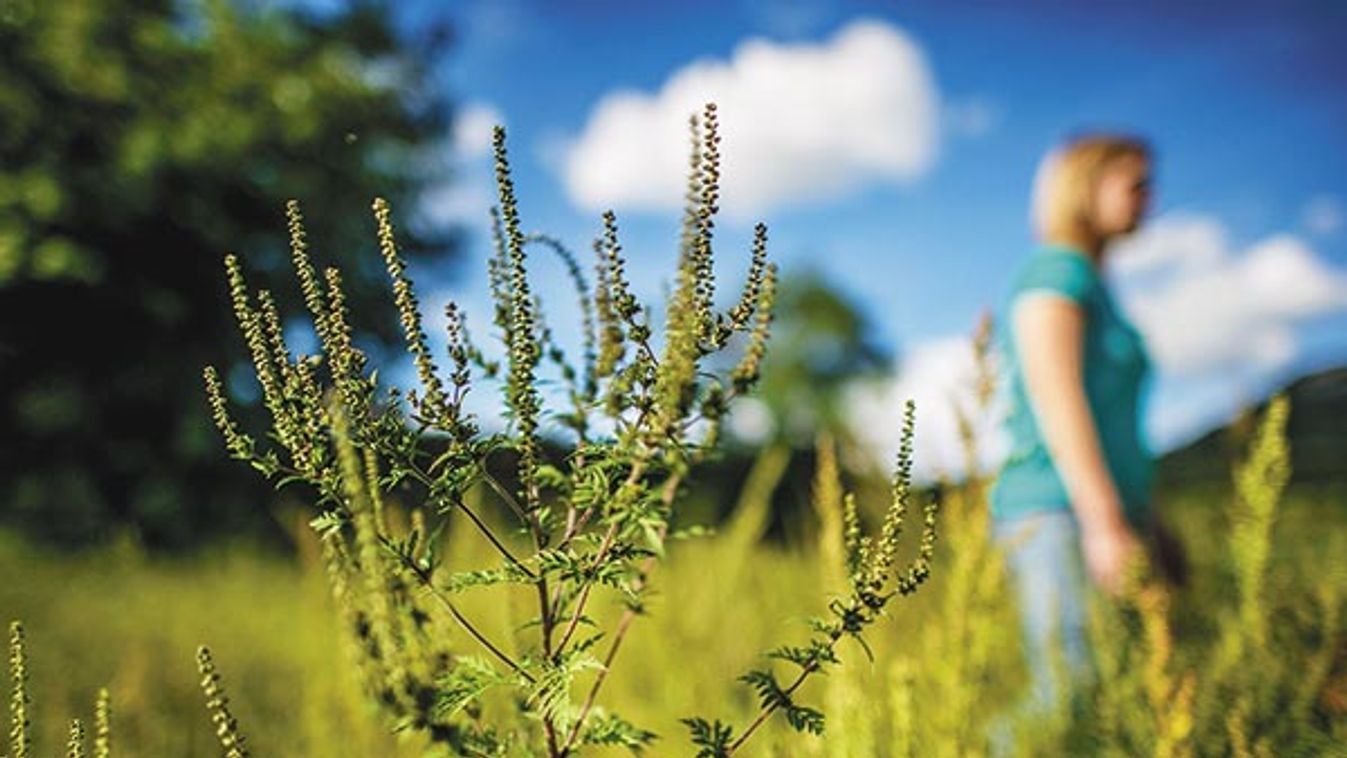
[(1059, 270)]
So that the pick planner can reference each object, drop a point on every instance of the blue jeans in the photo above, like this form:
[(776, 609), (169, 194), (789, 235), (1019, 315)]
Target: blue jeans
[(1043, 555)]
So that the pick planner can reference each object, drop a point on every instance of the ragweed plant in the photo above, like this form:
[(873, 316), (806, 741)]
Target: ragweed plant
[(643, 407), (873, 580), (217, 703), (1273, 698), (19, 741), (20, 724), (1143, 702), (962, 636), (1259, 483), (967, 634)]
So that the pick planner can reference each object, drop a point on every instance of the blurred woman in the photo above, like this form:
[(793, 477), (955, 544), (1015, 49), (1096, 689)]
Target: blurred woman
[(1073, 501)]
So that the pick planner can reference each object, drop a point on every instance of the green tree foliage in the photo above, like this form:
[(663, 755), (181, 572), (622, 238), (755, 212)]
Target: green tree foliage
[(139, 141), (822, 343)]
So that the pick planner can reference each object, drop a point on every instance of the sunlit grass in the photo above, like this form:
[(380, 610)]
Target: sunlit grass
[(118, 619)]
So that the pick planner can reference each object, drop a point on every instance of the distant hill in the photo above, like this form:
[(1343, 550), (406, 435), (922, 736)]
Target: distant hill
[(1317, 430)]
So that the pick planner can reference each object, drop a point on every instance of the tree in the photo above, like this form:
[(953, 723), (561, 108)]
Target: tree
[(823, 343), (139, 143)]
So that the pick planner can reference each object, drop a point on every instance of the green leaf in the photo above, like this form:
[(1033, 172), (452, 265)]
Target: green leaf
[(470, 677), (609, 729), (327, 522), (712, 737)]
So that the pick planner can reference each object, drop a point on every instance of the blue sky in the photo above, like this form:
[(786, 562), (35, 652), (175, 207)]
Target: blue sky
[(918, 210)]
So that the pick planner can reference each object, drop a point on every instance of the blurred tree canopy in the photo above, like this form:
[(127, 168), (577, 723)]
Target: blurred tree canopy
[(821, 343), (141, 140)]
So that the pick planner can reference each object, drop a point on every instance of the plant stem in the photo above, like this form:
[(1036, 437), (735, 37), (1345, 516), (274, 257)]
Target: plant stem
[(424, 578), (637, 470), (504, 494), (623, 624), (589, 585), (477, 521), (492, 537), (770, 709)]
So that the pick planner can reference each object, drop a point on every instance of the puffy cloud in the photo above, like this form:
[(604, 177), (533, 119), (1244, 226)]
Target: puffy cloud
[(473, 129), (799, 123), (1207, 308), (467, 198), (939, 376)]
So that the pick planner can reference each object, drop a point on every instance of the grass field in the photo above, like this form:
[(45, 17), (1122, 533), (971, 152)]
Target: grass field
[(945, 675)]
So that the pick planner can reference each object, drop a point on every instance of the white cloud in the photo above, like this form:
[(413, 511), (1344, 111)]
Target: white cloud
[(473, 130), (1324, 216), (799, 123), (468, 196), (1178, 244), (938, 375), (1207, 308)]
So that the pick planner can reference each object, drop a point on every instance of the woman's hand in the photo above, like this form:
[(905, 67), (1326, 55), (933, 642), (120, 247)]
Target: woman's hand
[(1110, 549)]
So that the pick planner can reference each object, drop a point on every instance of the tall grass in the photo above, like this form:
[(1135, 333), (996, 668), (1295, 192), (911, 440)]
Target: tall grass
[(118, 618)]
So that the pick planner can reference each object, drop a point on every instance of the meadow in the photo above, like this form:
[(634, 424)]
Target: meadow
[(944, 677)]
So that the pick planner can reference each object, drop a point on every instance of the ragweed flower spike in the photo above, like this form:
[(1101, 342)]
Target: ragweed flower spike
[(615, 268), (103, 725), (892, 527), (304, 269), (1259, 481), (344, 360), (745, 375), (616, 307), (19, 740), (239, 445), (690, 325), (74, 747), (432, 405), (271, 323), (851, 533), (254, 334), (738, 317), (496, 267), (710, 196), (610, 335), (692, 196), (458, 355), (226, 726), (521, 392)]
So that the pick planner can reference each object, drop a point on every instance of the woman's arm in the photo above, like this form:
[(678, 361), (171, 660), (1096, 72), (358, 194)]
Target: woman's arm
[(1050, 336)]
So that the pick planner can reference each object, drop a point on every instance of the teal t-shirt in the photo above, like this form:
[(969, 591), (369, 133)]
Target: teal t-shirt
[(1116, 368)]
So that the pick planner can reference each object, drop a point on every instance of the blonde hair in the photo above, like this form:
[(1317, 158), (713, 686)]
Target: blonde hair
[(1065, 182)]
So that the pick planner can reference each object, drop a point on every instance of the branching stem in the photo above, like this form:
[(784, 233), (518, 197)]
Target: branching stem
[(423, 576), (478, 522), (623, 624)]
